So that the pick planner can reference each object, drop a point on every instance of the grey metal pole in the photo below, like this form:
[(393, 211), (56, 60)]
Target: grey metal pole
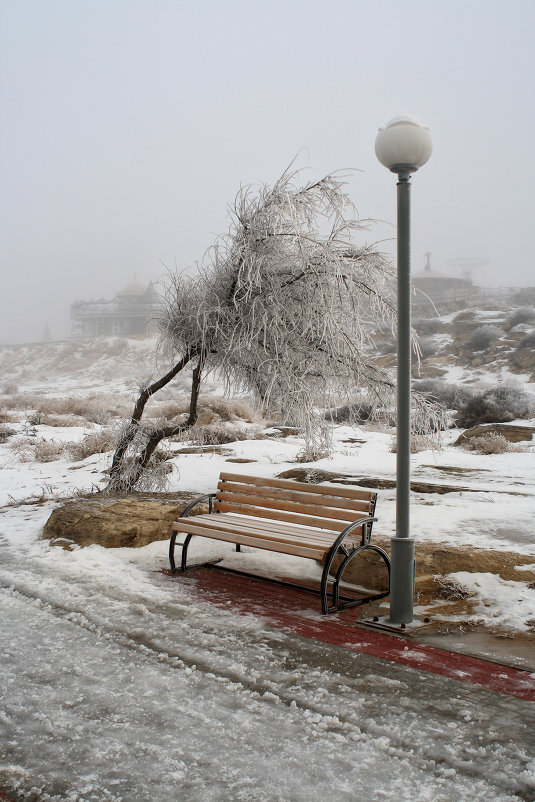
[(402, 573)]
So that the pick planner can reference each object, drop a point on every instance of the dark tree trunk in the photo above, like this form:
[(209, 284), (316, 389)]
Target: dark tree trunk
[(117, 480)]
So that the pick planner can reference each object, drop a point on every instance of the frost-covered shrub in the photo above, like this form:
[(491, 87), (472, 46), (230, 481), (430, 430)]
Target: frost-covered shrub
[(386, 346), (419, 442), (350, 413), (493, 443), (523, 315), (168, 410), (37, 450), (154, 478), (490, 443), (22, 449), (220, 433), (527, 342), (450, 588), (6, 432), (309, 454), (468, 314), (450, 396), (428, 347), (48, 450), (49, 419), (10, 389), (97, 408), (497, 405), (427, 326), (484, 336), (229, 409), (212, 409)]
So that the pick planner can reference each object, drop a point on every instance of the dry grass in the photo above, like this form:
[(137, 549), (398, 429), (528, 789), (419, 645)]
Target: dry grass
[(215, 434), (451, 589), (492, 443), (96, 408), (23, 449), (310, 454), (230, 409), (48, 450), (167, 410), (56, 421), (93, 443), (100, 407), (6, 432), (32, 449), (212, 410), (419, 442)]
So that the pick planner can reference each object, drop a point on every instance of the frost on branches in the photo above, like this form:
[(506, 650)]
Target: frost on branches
[(282, 307)]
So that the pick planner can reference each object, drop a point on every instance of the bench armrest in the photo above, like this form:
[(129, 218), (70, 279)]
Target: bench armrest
[(185, 512), (366, 524)]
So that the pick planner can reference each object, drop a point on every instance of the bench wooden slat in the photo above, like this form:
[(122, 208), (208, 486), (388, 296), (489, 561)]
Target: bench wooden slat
[(268, 505), (275, 497), (281, 515), (242, 539), (236, 523), (343, 492)]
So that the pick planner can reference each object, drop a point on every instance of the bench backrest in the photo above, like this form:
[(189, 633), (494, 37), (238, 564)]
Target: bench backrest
[(323, 507)]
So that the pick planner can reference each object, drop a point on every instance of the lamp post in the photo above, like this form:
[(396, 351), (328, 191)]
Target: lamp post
[(403, 146)]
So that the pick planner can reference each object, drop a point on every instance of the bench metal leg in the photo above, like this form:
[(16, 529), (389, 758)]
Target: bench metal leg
[(184, 558), (337, 603)]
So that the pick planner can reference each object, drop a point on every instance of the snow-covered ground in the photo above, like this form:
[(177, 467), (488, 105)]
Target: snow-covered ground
[(496, 512), (118, 684)]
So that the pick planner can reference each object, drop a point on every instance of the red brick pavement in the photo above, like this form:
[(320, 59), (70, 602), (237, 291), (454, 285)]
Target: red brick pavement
[(297, 611)]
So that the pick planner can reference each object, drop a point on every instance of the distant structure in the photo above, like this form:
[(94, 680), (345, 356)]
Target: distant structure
[(129, 313), (439, 287)]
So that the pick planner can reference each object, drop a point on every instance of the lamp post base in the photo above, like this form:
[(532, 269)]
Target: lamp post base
[(402, 580)]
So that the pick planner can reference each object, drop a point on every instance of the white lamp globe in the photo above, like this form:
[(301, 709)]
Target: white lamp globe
[(404, 144)]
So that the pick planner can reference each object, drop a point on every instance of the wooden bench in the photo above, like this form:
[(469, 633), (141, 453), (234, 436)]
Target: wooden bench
[(314, 521)]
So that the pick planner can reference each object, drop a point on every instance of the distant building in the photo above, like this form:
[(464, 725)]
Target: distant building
[(129, 313), (439, 287)]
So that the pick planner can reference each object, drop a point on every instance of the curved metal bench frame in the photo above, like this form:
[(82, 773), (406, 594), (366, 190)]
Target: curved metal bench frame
[(172, 543), (339, 548), (339, 602)]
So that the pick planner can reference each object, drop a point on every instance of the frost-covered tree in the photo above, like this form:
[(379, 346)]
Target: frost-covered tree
[(284, 307)]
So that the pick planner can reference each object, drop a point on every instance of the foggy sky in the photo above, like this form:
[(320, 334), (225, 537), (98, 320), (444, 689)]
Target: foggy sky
[(128, 126)]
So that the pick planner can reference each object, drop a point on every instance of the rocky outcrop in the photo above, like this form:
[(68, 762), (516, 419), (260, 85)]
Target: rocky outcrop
[(315, 476), (523, 359), (115, 522), (434, 561), (511, 433)]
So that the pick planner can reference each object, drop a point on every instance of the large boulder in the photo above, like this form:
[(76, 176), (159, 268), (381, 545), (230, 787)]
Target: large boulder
[(113, 522), (511, 433)]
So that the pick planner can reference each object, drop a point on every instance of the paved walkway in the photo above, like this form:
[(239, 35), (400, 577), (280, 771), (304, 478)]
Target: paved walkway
[(297, 611)]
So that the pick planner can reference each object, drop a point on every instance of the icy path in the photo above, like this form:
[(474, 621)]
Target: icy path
[(117, 685)]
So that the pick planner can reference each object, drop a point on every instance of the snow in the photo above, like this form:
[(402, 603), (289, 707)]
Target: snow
[(118, 684), (500, 603)]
